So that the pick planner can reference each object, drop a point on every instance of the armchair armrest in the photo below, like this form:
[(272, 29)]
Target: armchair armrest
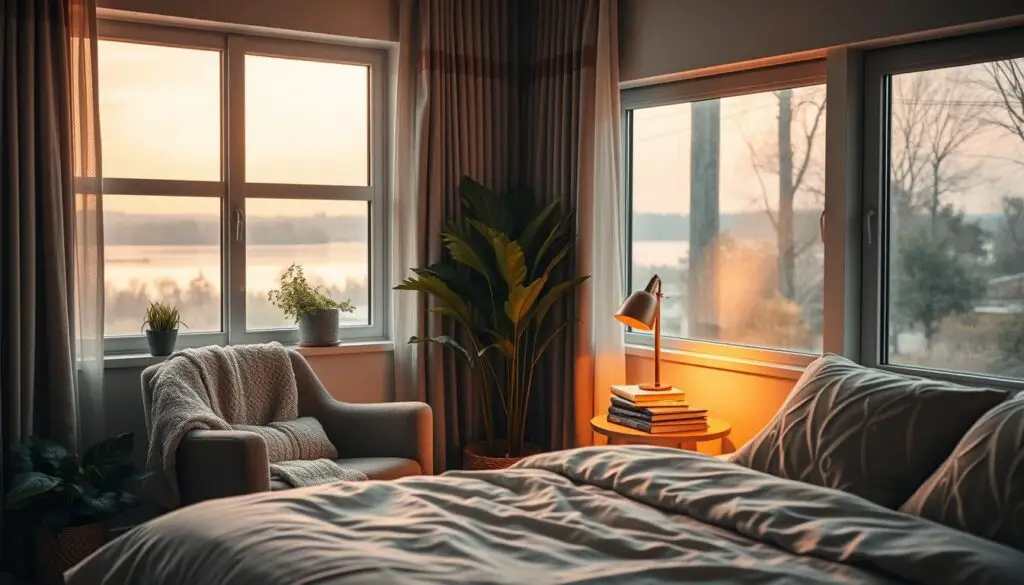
[(218, 464), (391, 429)]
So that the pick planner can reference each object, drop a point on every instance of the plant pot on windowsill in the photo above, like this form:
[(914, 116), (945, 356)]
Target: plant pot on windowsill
[(319, 328), (161, 343), (476, 456)]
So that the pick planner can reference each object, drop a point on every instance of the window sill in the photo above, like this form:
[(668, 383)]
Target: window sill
[(719, 362), (143, 360)]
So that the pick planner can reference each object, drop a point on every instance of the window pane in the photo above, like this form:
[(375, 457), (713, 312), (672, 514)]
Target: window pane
[(729, 219), (956, 219), (330, 239), (161, 249), (306, 122), (160, 111)]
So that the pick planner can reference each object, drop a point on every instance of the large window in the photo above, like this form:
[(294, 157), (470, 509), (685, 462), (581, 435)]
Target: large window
[(949, 204), (726, 190), (225, 160)]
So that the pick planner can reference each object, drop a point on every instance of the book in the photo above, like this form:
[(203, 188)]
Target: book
[(657, 428), (635, 395), (692, 416), (667, 407)]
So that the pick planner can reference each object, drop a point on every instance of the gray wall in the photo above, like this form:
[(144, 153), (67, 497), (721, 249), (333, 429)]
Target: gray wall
[(362, 19), (666, 37)]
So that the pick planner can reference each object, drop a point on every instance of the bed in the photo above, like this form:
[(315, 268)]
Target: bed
[(861, 477), (594, 515)]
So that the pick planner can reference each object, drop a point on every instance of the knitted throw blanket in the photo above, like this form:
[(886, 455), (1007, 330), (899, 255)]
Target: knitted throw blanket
[(235, 387)]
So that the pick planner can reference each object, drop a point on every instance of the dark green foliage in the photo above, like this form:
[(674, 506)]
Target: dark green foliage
[(56, 488), (936, 281), (297, 297), (500, 288)]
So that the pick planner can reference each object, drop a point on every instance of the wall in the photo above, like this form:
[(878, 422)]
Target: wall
[(666, 37), (364, 19), (746, 401), (352, 377)]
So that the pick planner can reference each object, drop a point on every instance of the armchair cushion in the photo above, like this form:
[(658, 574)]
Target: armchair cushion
[(380, 468)]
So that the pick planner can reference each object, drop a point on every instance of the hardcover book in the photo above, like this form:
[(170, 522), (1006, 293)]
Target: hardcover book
[(635, 395), (693, 415), (657, 428)]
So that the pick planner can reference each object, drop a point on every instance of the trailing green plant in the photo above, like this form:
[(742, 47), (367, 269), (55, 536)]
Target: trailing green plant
[(162, 316), (56, 489), (499, 289), (297, 297)]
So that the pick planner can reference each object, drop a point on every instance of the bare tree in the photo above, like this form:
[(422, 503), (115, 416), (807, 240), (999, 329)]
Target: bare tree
[(792, 161), (1005, 80), (934, 116)]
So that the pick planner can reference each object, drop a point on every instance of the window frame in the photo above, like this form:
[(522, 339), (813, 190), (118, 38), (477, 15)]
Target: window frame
[(232, 190), (879, 66), (792, 75)]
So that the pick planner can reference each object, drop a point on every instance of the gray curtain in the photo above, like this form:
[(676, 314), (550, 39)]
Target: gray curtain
[(499, 91), (41, 151)]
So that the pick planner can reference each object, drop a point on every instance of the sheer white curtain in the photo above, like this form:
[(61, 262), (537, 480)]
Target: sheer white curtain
[(88, 217), (600, 347)]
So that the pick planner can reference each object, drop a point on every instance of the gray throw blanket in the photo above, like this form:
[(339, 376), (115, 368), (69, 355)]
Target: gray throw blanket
[(242, 387)]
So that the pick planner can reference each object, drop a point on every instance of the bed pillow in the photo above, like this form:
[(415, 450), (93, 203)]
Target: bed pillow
[(871, 433), (980, 487)]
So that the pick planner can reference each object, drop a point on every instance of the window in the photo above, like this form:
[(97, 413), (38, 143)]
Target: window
[(726, 189), (227, 158), (947, 192)]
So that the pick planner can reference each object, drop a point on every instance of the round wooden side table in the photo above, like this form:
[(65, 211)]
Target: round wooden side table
[(620, 435)]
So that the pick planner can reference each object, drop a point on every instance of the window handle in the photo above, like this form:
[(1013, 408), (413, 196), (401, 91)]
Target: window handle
[(869, 226), (239, 224)]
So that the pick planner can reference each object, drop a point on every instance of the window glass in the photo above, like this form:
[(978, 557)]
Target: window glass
[(306, 122), (160, 111), (956, 219), (161, 249), (330, 239), (726, 198)]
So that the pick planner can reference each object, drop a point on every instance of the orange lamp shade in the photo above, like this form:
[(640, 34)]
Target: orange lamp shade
[(639, 311)]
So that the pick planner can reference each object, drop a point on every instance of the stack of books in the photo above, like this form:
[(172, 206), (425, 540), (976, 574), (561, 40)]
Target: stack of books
[(650, 411)]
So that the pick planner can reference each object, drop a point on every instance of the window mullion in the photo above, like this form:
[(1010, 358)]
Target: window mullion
[(234, 208)]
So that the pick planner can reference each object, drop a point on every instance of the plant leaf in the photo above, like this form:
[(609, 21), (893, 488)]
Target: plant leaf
[(46, 455), (560, 230), (437, 287), (522, 298), (446, 341), (485, 205), (28, 486), (21, 458), (553, 294), (507, 253), (457, 239), (116, 450), (547, 342), (104, 505), (526, 239)]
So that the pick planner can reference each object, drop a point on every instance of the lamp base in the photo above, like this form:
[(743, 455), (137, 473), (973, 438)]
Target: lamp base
[(656, 387)]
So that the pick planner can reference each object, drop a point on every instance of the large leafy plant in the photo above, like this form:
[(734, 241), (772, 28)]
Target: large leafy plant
[(56, 488), (499, 289), (297, 297)]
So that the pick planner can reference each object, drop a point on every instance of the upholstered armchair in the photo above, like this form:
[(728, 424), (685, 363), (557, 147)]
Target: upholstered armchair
[(384, 441)]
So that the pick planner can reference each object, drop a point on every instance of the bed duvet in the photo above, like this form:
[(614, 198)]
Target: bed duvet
[(594, 515)]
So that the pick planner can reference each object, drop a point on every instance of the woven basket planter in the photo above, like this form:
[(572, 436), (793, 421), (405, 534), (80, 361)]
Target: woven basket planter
[(475, 457), (56, 553)]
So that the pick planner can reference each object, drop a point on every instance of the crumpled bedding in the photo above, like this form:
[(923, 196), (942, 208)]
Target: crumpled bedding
[(634, 514)]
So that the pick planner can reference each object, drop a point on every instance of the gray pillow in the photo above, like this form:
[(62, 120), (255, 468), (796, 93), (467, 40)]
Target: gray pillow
[(980, 487), (868, 432)]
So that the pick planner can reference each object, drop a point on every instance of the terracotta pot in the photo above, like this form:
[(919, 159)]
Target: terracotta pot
[(475, 456), (56, 553)]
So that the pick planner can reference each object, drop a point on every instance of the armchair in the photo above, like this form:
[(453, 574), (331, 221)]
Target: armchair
[(384, 441)]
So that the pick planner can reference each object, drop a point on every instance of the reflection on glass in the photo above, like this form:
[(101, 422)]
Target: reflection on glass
[(956, 219), (306, 122), (161, 249), (330, 239), (160, 111), (729, 219)]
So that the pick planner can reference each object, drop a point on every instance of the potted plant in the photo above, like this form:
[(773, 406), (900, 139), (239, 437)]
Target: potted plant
[(162, 321), (66, 499), (499, 289), (310, 307)]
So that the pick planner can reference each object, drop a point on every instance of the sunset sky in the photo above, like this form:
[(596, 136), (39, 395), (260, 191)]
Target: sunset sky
[(160, 110)]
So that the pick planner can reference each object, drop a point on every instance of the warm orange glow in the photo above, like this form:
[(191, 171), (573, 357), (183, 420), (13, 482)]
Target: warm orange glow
[(635, 324)]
